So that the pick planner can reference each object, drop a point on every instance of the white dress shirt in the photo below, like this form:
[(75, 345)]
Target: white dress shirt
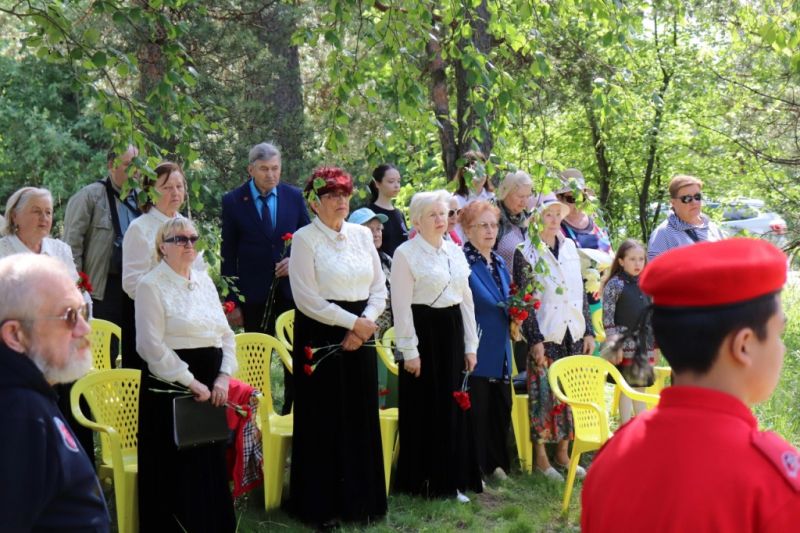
[(174, 313), (327, 265), (139, 249), (436, 277), (55, 248)]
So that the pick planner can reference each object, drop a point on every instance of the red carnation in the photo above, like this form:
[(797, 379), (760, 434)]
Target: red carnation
[(228, 307), (309, 353), (286, 237), (383, 392), (512, 289), (83, 282), (537, 304), (527, 297), (513, 311), (462, 399), (308, 369), (522, 315)]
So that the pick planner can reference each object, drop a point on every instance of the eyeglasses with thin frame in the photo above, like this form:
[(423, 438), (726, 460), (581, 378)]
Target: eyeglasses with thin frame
[(183, 240), (70, 316), (338, 195), (687, 198), (486, 225)]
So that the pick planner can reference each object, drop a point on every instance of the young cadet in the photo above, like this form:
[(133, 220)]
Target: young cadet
[(698, 461)]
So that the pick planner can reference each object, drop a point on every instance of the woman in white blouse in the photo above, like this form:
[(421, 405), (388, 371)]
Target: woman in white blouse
[(559, 328), (339, 289), (26, 230), (184, 338), (169, 191), (436, 333)]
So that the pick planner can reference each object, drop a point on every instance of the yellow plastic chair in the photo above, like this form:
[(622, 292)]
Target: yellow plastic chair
[(284, 328), (101, 334), (662, 373), (389, 418), (579, 381), (254, 352), (521, 424), (113, 397)]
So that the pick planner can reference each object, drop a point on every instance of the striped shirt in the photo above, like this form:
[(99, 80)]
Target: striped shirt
[(674, 233)]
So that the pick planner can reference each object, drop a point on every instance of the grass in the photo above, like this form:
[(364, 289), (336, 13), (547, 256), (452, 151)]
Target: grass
[(525, 503)]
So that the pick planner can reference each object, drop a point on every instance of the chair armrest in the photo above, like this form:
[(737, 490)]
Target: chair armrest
[(651, 400)]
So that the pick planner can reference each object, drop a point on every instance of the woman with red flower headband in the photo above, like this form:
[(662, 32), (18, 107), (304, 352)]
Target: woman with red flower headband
[(339, 289)]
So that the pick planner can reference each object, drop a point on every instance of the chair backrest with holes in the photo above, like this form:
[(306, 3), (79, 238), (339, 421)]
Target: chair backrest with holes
[(582, 378), (254, 353), (385, 349), (284, 328), (100, 336), (113, 398)]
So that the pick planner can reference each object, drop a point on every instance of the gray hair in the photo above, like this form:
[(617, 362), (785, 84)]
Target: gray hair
[(17, 202), (511, 182), (24, 279), (422, 202), (169, 228), (263, 152)]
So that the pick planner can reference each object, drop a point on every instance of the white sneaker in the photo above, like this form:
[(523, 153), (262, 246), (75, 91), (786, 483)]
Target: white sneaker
[(461, 497), (551, 473), (580, 472)]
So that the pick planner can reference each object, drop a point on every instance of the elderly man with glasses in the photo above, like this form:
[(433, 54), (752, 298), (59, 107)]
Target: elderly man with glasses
[(49, 482), (686, 224)]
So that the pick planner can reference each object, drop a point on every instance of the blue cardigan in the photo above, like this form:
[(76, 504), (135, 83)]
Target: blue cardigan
[(492, 319)]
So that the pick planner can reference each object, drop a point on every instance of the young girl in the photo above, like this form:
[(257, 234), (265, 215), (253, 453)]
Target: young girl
[(623, 305), (384, 186)]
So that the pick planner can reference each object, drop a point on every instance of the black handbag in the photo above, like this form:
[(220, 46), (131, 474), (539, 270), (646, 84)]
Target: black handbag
[(198, 423)]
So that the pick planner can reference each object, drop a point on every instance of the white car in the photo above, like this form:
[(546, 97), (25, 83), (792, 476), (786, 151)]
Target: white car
[(747, 216)]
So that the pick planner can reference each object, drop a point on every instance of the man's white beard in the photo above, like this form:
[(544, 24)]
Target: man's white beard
[(78, 364)]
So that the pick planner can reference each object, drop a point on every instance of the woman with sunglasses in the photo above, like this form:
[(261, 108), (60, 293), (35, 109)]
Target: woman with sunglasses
[(163, 196), (340, 290), (437, 335), (577, 225), (184, 338), (26, 230), (686, 224), (472, 183)]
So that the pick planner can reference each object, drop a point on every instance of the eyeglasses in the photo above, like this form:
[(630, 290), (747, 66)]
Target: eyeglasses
[(183, 240), (453, 212), (568, 198), (687, 198), (70, 316), (339, 195), (486, 225)]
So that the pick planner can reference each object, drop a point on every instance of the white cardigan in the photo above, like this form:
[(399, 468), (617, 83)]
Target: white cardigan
[(565, 310)]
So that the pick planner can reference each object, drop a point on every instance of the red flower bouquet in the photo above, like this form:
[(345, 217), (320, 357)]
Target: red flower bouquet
[(462, 396)]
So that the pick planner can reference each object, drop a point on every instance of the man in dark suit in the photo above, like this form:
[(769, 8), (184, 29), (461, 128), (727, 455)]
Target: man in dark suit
[(255, 217)]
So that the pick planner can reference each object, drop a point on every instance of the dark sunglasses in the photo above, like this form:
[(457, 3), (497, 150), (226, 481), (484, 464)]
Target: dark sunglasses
[(71, 315), (183, 240), (453, 212), (687, 198), (569, 198)]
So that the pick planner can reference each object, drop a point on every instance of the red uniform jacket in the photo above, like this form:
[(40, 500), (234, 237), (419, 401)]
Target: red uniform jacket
[(697, 463)]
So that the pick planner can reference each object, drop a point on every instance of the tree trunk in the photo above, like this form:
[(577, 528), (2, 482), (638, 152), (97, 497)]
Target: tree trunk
[(283, 118), (440, 98)]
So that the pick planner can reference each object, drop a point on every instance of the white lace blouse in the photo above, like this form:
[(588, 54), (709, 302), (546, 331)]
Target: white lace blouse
[(437, 277), (139, 249), (174, 313), (328, 265)]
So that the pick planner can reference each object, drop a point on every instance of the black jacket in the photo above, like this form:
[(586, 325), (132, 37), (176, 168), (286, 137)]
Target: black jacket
[(47, 482)]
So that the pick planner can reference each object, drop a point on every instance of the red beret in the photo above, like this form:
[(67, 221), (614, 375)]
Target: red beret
[(711, 274), (329, 179)]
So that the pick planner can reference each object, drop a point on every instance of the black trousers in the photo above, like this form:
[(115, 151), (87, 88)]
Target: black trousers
[(253, 314)]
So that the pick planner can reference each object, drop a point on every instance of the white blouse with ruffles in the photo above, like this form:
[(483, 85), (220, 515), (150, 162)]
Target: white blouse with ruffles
[(174, 313), (436, 277)]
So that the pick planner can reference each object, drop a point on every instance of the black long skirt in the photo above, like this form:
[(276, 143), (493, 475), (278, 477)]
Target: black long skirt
[(437, 449), (186, 490), (337, 464), (491, 416)]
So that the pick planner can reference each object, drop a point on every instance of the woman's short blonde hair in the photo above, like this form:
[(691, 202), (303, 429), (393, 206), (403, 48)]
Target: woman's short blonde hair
[(680, 181), (422, 201), (170, 228), (17, 202), (511, 182)]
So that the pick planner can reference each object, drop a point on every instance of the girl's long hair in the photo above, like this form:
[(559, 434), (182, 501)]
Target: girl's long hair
[(377, 177), (622, 251)]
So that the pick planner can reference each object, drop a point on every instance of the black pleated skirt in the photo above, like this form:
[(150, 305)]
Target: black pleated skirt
[(337, 465), (186, 490), (437, 449)]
